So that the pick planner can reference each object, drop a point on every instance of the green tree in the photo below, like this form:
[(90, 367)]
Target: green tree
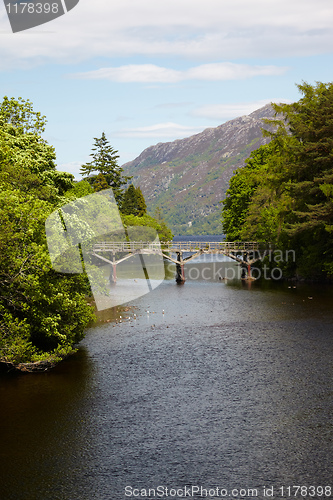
[(22, 145), (133, 202), (242, 187), (42, 313), (105, 162), (129, 202), (141, 202), (20, 114), (308, 157), (158, 215), (292, 204)]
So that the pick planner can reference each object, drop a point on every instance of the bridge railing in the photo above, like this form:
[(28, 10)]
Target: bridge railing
[(214, 245), (171, 246), (125, 246)]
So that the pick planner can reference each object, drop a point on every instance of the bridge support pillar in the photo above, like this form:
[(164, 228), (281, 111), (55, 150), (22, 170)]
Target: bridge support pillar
[(249, 270), (180, 271), (113, 272)]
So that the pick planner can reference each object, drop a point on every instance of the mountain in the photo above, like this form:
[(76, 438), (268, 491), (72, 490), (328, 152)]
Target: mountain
[(188, 178)]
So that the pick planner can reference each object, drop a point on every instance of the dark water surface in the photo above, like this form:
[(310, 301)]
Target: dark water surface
[(231, 387)]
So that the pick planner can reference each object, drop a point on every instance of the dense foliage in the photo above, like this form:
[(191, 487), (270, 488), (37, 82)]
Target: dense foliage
[(146, 222), (42, 313), (284, 194)]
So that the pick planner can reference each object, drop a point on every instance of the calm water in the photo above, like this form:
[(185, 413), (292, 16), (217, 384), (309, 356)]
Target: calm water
[(231, 387)]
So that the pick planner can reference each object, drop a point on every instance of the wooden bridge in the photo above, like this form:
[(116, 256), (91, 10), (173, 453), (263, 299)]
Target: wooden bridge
[(246, 253)]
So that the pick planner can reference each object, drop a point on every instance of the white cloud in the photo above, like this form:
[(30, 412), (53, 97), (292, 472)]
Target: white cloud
[(150, 73), (72, 167), (159, 130), (143, 73), (230, 111), (210, 30), (232, 71)]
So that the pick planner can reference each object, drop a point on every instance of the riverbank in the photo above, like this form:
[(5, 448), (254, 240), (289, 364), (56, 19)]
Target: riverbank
[(35, 367)]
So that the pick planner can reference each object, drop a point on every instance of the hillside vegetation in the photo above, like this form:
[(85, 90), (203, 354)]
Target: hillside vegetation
[(284, 194), (187, 178)]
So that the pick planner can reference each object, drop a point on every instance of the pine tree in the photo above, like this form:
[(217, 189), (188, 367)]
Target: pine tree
[(105, 162), (133, 202), (129, 204), (141, 202)]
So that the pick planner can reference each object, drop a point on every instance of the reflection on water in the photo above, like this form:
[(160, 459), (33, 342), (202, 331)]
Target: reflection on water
[(213, 383), (45, 430)]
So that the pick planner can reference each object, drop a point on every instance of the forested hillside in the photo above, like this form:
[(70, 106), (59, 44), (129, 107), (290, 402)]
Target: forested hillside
[(187, 178)]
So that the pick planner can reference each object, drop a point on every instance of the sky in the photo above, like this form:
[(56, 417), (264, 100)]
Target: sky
[(152, 71)]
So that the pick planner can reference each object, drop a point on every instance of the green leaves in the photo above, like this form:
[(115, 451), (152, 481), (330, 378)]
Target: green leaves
[(288, 200), (42, 313), (146, 221), (242, 188), (27, 161), (39, 309), (20, 114)]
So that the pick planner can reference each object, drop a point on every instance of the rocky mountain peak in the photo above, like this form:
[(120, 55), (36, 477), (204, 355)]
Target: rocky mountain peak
[(187, 178)]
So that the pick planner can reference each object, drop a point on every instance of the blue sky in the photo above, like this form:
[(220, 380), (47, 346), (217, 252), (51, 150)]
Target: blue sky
[(150, 71)]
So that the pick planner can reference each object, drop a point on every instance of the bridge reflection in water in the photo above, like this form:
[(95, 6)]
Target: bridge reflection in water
[(246, 253)]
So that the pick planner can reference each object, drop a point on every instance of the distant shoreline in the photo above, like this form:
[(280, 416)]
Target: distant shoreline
[(199, 237)]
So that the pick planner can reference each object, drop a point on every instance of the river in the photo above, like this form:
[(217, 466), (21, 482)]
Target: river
[(222, 385)]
